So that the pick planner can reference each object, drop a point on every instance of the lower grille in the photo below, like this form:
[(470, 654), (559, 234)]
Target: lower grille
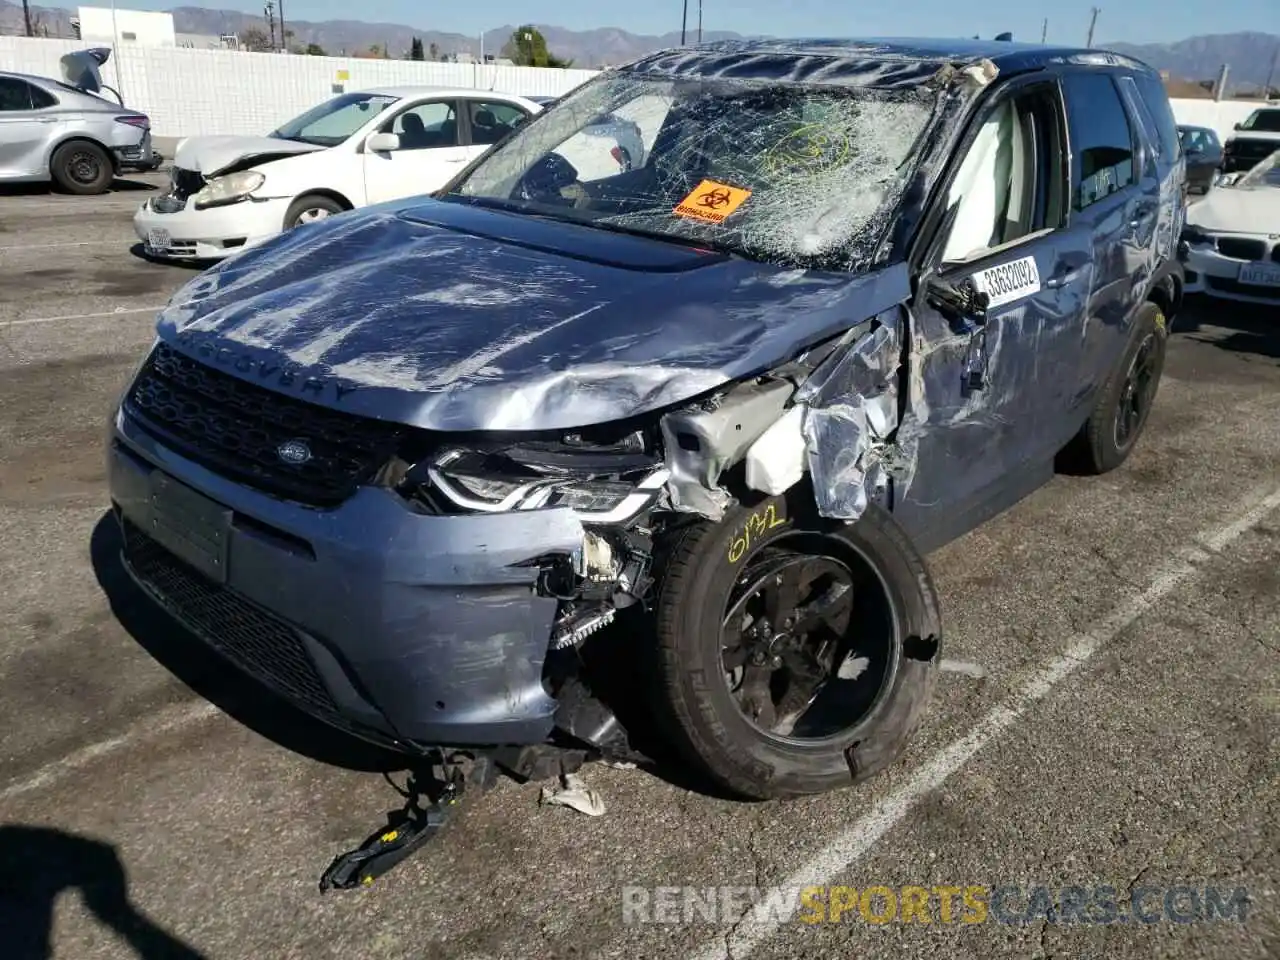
[(1239, 248), (257, 642)]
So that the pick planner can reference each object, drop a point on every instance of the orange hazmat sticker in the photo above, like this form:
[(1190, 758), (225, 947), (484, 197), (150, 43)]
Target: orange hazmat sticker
[(711, 202)]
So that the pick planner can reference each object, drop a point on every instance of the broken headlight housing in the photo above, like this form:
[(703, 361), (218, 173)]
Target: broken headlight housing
[(601, 483), (231, 188)]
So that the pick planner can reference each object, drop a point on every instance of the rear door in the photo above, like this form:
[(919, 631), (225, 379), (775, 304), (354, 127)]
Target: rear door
[(23, 129), (431, 152), (488, 121), (994, 396), (1115, 199)]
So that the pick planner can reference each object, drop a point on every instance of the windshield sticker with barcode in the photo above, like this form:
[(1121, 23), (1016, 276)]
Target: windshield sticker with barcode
[(711, 202), (1008, 282)]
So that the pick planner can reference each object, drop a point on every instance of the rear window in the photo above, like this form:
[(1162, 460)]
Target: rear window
[(1156, 98), (1263, 121)]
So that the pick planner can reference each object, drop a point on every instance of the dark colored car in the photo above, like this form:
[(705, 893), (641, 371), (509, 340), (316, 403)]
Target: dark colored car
[(1203, 151), (1255, 139), (473, 472)]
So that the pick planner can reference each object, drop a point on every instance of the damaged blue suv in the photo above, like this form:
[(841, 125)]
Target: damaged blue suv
[(434, 470)]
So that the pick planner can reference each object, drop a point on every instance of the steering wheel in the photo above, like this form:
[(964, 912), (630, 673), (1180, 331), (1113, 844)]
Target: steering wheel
[(552, 180)]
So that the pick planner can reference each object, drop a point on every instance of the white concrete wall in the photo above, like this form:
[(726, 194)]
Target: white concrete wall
[(1220, 116), (189, 92)]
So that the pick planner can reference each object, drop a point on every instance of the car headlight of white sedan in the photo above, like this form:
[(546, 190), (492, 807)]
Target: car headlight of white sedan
[(232, 188)]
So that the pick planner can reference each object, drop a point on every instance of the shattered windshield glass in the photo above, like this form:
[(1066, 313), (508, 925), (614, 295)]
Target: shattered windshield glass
[(787, 173)]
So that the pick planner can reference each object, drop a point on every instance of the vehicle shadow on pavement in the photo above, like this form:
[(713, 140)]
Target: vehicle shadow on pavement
[(203, 670), (1248, 328), (118, 185), (195, 266), (38, 864)]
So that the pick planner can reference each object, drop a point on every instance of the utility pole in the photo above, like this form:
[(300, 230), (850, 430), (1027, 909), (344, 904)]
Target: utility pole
[(684, 22), (26, 16), (1275, 61), (284, 37), (268, 13), (1093, 22), (1044, 31), (700, 23)]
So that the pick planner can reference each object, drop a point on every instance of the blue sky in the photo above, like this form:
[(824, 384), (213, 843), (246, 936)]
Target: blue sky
[(1135, 21)]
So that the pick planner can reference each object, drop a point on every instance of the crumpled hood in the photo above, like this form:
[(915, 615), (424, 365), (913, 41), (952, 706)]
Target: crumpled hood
[(446, 316), (208, 155), (1248, 210)]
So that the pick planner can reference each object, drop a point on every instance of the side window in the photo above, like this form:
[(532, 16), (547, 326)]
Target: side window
[(427, 126), (1156, 99), (15, 94), (1011, 182), (42, 99), (490, 122), (1101, 139)]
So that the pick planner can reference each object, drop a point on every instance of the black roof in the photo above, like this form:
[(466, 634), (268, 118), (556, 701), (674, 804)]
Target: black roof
[(878, 61)]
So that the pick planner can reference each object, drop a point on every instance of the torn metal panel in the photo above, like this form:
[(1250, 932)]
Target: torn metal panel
[(701, 442), (851, 411)]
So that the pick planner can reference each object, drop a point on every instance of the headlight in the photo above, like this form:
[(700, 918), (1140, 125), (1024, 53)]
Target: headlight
[(487, 483), (229, 189)]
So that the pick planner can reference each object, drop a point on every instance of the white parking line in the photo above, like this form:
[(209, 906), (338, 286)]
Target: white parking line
[(48, 246), (168, 721), (117, 312), (846, 847)]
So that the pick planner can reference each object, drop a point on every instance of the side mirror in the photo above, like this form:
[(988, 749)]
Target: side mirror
[(382, 142), (1237, 126), (957, 301)]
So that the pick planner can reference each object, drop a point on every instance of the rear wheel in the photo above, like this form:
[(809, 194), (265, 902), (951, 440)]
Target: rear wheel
[(797, 655), (82, 168), (1120, 414), (309, 209)]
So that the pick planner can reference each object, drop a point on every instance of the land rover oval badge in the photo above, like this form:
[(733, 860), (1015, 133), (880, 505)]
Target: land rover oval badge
[(295, 452)]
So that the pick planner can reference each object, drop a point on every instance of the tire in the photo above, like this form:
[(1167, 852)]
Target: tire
[(1102, 446), (82, 168), (309, 208), (704, 720)]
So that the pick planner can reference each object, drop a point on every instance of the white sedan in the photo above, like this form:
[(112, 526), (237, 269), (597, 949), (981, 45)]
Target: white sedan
[(1231, 243), (228, 193)]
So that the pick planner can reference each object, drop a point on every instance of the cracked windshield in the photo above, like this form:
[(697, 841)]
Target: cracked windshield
[(785, 173)]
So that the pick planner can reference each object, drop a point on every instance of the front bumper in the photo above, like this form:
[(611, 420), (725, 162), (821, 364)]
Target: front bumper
[(409, 630), (212, 234), (1212, 273)]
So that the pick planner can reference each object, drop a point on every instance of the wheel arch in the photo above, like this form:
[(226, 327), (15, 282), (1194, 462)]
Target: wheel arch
[(326, 192)]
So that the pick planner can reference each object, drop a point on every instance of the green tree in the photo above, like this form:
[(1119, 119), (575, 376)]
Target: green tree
[(315, 50), (433, 52), (416, 51), (528, 48)]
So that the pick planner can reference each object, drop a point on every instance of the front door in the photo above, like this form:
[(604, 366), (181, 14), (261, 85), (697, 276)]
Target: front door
[(992, 391), (430, 153)]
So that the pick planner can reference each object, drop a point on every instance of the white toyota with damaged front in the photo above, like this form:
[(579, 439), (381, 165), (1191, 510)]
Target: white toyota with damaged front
[(230, 193)]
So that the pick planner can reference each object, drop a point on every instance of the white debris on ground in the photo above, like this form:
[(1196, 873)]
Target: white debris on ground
[(575, 794), (964, 667)]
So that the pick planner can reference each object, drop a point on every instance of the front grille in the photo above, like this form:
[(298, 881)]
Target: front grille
[(257, 642), (1242, 249), (235, 428), (1247, 289)]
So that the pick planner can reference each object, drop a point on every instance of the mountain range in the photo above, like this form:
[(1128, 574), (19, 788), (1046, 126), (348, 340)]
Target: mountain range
[(1250, 55)]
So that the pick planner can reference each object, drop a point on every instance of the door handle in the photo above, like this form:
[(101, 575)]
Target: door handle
[(1062, 279)]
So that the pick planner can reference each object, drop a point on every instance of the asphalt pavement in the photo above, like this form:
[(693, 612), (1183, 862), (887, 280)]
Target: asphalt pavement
[(1110, 721)]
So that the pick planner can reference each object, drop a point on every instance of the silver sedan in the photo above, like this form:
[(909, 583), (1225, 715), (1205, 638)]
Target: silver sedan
[(66, 132)]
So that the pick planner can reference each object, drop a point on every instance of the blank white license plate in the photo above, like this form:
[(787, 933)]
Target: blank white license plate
[(159, 239), (1260, 275)]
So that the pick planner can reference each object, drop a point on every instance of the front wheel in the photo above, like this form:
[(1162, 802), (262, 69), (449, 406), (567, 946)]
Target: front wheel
[(797, 655), (309, 209)]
